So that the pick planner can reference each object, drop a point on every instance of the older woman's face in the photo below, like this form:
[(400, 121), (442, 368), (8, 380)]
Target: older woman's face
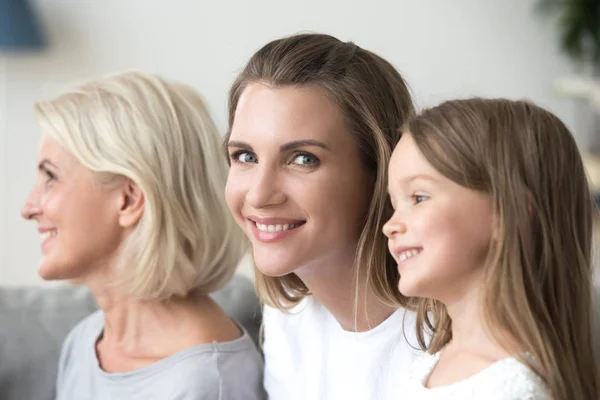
[(77, 217)]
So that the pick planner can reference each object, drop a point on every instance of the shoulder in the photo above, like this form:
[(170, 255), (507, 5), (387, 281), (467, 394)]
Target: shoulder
[(511, 379), (77, 351), (309, 315), (83, 334), (216, 373), (293, 323), (304, 309)]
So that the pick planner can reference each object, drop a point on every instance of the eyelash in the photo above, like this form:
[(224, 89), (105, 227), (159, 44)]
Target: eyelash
[(305, 154), (415, 196), (235, 158), (50, 175)]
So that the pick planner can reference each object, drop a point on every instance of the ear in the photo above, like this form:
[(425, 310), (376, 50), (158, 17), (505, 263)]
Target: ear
[(131, 204)]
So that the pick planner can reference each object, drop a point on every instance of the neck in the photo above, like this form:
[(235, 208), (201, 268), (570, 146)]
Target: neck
[(135, 326), (138, 326), (467, 324), (333, 284), (470, 330)]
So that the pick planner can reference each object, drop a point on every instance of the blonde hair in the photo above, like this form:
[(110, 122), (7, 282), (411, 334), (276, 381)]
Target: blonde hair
[(538, 279), (375, 102), (161, 136)]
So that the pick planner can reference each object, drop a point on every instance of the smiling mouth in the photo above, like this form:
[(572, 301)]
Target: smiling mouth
[(406, 254), (277, 227), (47, 235)]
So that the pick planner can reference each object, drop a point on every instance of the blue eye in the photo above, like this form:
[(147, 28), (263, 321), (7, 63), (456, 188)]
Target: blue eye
[(305, 159), (244, 157)]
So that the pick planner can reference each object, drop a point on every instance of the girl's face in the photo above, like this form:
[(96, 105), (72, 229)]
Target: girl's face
[(297, 185), (440, 232)]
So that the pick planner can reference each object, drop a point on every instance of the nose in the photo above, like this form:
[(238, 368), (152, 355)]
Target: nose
[(32, 207), (265, 188), (394, 226)]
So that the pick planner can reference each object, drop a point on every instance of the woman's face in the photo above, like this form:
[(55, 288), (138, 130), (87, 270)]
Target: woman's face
[(77, 216), (297, 185)]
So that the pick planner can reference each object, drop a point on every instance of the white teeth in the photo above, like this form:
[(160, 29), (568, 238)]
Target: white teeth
[(46, 235), (408, 254), (275, 228)]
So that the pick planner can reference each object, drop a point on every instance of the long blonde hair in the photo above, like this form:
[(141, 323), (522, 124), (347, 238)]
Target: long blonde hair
[(539, 278), (375, 101), (161, 136)]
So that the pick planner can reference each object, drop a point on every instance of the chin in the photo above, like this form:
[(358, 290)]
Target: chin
[(49, 274), (273, 268), (410, 289), (53, 272), (270, 264)]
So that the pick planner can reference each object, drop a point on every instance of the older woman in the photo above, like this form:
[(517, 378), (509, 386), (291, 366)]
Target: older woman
[(129, 200)]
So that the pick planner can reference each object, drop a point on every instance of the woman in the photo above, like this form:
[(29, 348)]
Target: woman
[(129, 201), (312, 125)]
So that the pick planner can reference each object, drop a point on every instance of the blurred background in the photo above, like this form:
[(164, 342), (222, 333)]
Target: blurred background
[(538, 50)]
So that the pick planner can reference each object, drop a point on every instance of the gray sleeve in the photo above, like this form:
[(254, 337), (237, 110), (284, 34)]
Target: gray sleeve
[(224, 375), (68, 347), (241, 376)]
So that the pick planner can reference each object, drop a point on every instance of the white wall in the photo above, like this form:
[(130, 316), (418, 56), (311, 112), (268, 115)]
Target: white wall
[(445, 49)]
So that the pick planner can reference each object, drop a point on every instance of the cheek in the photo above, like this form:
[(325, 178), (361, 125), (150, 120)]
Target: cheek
[(52, 203), (348, 192), (457, 235)]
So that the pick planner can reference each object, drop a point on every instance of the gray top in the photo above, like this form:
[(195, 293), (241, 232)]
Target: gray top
[(231, 370)]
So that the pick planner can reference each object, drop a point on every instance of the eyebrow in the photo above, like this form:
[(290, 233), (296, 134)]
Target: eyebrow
[(412, 178), (42, 165), (285, 147), (303, 143), (239, 145)]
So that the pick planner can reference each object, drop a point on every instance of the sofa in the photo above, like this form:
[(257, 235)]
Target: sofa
[(35, 320)]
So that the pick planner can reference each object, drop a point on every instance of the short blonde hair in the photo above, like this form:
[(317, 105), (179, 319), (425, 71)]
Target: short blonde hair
[(161, 136)]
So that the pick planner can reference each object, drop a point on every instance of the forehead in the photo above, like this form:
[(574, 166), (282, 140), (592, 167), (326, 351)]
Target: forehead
[(50, 150), (407, 160), (277, 115)]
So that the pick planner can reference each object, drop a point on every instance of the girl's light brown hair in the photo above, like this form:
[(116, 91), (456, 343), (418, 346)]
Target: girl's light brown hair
[(538, 278), (375, 102)]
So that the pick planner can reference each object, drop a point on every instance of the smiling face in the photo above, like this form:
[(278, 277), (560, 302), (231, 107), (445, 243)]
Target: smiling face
[(440, 232), (77, 217), (297, 185)]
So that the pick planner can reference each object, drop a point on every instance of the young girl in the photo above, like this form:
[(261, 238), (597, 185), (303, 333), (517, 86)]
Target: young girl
[(492, 231)]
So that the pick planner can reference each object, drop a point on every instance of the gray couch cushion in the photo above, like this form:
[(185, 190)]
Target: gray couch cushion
[(34, 322)]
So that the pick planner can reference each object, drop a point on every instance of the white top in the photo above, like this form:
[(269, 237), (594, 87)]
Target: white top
[(309, 356), (507, 379)]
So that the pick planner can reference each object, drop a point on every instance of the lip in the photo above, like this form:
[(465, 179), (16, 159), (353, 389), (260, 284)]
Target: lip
[(397, 250), (49, 238), (271, 237), (274, 220)]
